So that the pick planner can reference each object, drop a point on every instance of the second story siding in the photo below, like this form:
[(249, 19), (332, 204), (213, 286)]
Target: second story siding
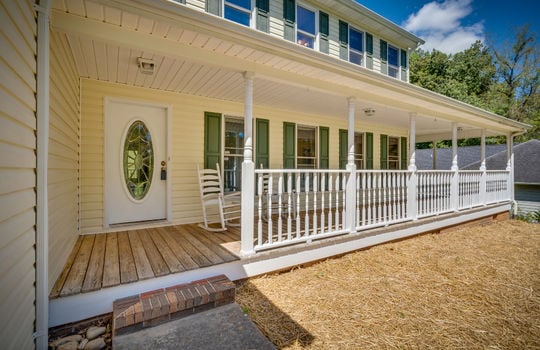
[(346, 39)]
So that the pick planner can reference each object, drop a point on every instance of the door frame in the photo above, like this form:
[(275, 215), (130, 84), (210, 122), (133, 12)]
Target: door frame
[(107, 100)]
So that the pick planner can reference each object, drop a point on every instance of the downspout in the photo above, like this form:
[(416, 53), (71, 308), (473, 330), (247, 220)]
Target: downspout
[(42, 210)]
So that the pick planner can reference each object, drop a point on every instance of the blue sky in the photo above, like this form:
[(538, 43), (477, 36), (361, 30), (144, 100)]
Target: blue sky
[(453, 25)]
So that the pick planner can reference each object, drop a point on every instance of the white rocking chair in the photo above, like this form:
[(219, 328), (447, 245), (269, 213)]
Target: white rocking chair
[(228, 206)]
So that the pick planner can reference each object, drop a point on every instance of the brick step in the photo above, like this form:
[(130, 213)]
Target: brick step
[(162, 305)]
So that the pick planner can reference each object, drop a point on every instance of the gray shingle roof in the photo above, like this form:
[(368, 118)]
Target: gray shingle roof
[(466, 155), (526, 162), (526, 159)]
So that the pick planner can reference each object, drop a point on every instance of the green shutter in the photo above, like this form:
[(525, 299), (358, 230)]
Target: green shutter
[(324, 31), (403, 65), (343, 40), (289, 16), (384, 152), (262, 155), (213, 7), (369, 150), (343, 148), (384, 57), (324, 147), (263, 21), (404, 156), (369, 51), (289, 145), (212, 139)]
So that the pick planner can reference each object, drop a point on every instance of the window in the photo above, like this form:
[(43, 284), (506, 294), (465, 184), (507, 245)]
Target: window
[(306, 157), (393, 61), (238, 11), (359, 150), (305, 27), (233, 154), (356, 46), (393, 152)]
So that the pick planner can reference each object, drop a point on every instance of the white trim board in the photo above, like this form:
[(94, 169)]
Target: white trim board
[(81, 306)]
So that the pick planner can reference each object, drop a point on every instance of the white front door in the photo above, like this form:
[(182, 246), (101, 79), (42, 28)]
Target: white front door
[(135, 149)]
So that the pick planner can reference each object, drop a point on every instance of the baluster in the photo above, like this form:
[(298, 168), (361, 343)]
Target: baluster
[(384, 188), (298, 190), (323, 208), (394, 196), (289, 206), (330, 203), (370, 196), (306, 193), (337, 189), (315, 197), (343, 200), (363, 189), (260, 209), (269, 207), (358, 189), (280, 206)]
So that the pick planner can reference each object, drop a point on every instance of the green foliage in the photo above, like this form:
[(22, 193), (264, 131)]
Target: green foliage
[(503, 79), (531, 217)]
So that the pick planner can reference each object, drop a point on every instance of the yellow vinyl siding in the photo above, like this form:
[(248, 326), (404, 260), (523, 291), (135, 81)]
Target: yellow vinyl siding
[(187, 142), (63, 179), (17, 171)]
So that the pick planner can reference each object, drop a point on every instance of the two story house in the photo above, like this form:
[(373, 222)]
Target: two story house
[(108, 107)]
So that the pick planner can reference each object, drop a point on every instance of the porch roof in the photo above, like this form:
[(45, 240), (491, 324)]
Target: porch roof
[(201, 54)]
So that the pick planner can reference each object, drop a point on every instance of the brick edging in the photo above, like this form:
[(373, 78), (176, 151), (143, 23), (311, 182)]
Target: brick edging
[(162, 305)]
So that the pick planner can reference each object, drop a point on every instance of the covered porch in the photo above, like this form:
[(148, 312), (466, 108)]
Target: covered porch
[(204, 64)]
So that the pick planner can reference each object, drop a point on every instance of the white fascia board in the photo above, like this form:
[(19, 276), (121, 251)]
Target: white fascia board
[(214, 26)]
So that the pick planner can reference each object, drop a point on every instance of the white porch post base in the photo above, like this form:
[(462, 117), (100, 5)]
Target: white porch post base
[(248, 211), (350, 200), (412, 188)]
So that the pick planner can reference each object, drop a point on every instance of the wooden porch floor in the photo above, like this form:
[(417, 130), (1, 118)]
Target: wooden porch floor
[(110, 259)]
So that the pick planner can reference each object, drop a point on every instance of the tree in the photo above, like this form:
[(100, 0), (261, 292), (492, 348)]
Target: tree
[(516, 93)]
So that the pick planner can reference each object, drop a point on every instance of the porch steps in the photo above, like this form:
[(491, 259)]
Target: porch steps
[(155, 307)]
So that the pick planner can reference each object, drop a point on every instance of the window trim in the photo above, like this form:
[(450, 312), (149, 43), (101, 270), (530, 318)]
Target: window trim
[(316, 145), (252, 12), (396, 67), (363, 151), (316, 23), (398, 138), (363, 52), (223, 155)]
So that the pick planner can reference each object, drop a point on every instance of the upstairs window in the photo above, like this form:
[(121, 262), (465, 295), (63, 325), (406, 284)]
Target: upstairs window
[(393, 62), (305, 28), (238, 11), (356, 46)]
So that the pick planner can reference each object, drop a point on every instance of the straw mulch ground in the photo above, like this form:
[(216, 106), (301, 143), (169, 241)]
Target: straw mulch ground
[(474, 288)]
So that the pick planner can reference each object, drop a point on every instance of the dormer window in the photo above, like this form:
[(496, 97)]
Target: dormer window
[(238, 11), (305, 29)]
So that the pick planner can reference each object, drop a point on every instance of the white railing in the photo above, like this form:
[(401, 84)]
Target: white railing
[(497, 186), (469, 188), (381, 198), (293, 206), (433, 195)]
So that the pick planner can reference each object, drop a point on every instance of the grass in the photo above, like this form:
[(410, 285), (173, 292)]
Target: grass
[(475, 287)]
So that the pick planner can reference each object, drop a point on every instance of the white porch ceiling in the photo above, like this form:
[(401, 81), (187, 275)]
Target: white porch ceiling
[(106, 42)]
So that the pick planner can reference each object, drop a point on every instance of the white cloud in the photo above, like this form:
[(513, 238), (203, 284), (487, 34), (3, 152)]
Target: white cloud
[(439, 24)]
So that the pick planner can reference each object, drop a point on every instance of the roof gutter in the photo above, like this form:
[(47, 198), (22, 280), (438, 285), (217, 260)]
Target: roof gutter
[(42, 210)]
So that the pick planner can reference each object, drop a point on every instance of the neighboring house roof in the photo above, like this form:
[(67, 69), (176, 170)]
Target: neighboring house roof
[(466, 156), (526, 162)]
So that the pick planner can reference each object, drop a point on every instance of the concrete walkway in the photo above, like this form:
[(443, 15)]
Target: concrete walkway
[(225, 328)]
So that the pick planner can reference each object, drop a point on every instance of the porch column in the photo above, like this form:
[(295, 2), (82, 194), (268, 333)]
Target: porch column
[(350, 201), (483, 177), (248, 171), (510, 164), (454, 189), (434, 164), (412, 185)]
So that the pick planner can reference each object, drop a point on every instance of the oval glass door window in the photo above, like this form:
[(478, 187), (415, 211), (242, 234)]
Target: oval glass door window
[(138, 159)]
